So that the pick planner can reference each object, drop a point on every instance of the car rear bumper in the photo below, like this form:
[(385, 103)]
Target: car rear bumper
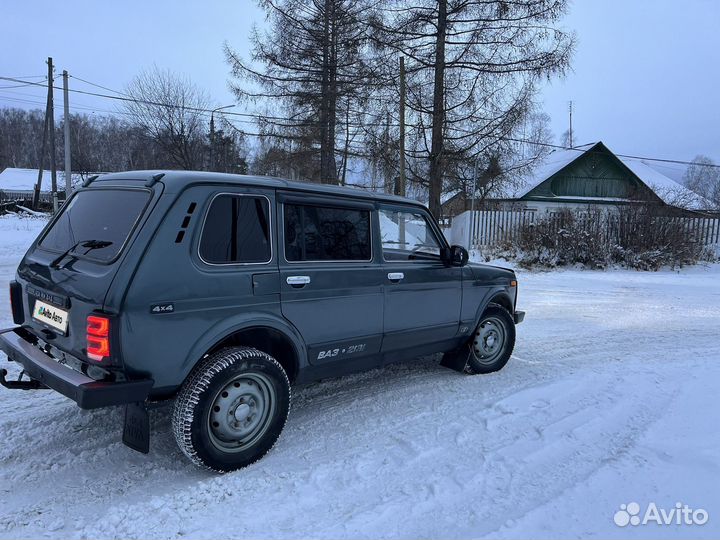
[(86, 392), (519, 316)]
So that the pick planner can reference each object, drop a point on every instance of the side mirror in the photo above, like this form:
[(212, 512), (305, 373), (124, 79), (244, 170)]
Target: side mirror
[(456, 256)]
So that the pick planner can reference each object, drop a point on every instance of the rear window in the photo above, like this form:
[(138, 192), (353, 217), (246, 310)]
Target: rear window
[(96, 223)]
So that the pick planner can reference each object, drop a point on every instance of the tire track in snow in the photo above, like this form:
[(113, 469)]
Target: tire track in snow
[(408, 450)]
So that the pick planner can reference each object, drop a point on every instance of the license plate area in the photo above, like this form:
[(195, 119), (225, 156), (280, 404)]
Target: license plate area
[(51, 316)]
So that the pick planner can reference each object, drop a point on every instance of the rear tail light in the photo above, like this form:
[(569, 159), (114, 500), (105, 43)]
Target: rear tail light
[(98, 337), (16, 302)]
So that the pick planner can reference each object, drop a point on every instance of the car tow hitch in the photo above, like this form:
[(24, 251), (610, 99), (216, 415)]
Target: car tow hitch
[(19, 384)]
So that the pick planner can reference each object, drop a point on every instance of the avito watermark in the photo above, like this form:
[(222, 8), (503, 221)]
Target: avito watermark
[(680, 514)]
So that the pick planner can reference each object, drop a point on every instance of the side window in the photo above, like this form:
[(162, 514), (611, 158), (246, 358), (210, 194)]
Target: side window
[(407, 236), (236, 230), (320, 233)]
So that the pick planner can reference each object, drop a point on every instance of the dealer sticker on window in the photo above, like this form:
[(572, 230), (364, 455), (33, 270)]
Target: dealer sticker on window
[(50, 315)]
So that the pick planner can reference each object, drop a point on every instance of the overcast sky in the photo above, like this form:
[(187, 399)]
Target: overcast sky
[(645, 76)]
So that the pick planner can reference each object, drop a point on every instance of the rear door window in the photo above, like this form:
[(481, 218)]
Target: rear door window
[(319, 233), (96, 223), (237, 231)]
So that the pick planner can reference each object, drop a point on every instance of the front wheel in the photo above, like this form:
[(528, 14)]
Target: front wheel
[(492, 342), (231, 410)]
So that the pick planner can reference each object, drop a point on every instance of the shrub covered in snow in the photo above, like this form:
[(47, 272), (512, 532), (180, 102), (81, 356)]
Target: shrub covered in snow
[(639, 237)]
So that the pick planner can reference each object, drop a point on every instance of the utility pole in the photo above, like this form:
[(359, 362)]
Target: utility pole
[(400, 190), (66, 137), (41, 165), (389, 181), (571, 137), (472, 207), (212, 141), (212, 134), (51, 128)]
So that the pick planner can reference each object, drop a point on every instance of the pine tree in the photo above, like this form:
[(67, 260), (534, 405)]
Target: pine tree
[(309, 75)]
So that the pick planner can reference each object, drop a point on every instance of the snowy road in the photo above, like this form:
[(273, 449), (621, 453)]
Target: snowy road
[(609, 398)]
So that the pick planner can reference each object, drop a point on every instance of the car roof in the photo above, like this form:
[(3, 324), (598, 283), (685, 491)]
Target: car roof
[(178, 180)]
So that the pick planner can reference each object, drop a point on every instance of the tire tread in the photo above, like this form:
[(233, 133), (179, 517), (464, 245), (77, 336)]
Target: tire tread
[(198, 382)]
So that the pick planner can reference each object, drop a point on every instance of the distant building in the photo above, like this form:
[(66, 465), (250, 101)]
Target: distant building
[(19, 184), (583, 176)]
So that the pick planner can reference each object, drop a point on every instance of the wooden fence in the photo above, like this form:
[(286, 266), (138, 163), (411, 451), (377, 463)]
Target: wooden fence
[(24, 197), (495, 227)]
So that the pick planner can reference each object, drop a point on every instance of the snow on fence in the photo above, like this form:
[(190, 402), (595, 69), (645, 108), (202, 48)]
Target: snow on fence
[(495, 227), (45, 196)]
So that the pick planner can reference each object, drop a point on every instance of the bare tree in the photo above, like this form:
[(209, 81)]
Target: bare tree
[(170, 110), (566, 139), (107, 143), (20, 135), (703, 177), (473, 70)]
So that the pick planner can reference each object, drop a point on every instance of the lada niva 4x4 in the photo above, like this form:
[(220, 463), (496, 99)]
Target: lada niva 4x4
[(220, 292)]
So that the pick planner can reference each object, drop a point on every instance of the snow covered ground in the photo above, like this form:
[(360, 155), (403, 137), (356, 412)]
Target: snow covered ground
[(610, 398)]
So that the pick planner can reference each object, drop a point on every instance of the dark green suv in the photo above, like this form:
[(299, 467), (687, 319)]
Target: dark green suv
[(220, 291)]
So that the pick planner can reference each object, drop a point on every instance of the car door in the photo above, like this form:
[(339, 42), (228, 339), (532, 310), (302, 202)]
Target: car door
[(422, 296), (331, 281)]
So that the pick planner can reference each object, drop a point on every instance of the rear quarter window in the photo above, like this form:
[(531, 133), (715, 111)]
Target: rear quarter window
[(96, 217), (237, 230)]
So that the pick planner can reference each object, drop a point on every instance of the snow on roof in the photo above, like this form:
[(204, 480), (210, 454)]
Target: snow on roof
[(445, 197), (671, 192), (666, 188), (14, 179), (553, 162)]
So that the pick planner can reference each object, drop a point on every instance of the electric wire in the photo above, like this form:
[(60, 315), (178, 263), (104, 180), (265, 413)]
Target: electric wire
[(258, 117)]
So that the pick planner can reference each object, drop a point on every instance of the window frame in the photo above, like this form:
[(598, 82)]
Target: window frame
[(270, 229), (88, 257), (342, 205), (429, 221)]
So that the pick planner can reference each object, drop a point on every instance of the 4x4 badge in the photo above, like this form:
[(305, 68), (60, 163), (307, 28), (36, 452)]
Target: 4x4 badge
[(167, 307)]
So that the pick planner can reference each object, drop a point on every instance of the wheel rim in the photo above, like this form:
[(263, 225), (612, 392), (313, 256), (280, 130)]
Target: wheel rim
[(489, 340), (241, 412)]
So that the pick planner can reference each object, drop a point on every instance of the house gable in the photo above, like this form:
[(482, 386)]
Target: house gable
[(595, 174)]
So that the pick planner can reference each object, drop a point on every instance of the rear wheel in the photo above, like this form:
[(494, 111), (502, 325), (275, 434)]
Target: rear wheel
[(492, 342), (232, 408)]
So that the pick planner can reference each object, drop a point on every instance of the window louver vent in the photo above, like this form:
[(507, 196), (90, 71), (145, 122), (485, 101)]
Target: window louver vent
[(185, 223)]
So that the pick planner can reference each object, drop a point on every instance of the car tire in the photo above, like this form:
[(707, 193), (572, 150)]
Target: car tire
[(492, 342), (231, 409)]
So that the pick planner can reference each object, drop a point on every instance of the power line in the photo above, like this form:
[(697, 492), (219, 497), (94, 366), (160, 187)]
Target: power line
[(16, 86), (99, 86), (29, 77), (274, 120)]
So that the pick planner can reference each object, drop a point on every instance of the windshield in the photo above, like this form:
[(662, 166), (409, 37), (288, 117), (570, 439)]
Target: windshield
[(103, 216)]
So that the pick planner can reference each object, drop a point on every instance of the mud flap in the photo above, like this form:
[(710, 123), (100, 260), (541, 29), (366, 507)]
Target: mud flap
[(136, 431), (457, 359)]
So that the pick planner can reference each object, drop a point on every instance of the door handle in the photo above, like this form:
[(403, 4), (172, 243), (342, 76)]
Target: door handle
[(298, 281), (396, 276)]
